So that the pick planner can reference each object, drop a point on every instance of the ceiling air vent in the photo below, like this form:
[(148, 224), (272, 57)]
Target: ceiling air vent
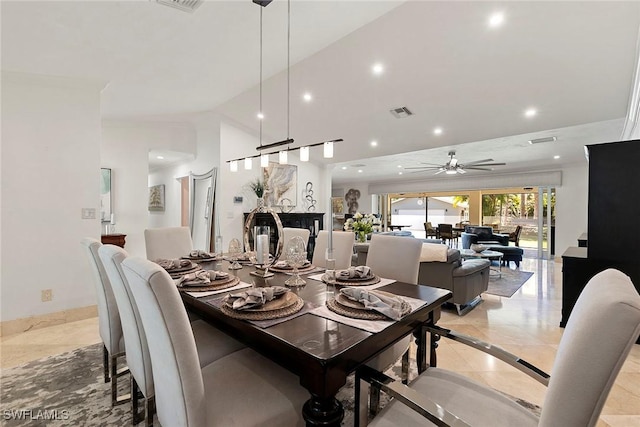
[(183, 5), (541, 140), (401, 113)]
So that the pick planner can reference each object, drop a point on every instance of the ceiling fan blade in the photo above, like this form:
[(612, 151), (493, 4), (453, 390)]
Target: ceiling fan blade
[(460, 170), (440, 171), (466, 165), (426, 167), (475, 162), (476, 168), (431, 164)]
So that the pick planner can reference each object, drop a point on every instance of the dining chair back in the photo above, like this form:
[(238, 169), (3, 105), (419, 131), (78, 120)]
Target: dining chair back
[(289, 233), (342, 248), (395, 257), (429, 230), (109, 324), (167, 242), (447, 234), (138, 358), (242, 388), (515, 235)]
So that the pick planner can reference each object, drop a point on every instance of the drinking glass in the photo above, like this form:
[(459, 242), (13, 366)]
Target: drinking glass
[(330, 272), (234, 252), (296, 256)]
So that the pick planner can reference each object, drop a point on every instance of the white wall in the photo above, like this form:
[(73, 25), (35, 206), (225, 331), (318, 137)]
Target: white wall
[(50, 171), (571, 206), (125, 149)]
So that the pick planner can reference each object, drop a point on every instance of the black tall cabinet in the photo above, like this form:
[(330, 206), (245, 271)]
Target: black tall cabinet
[(613, 237), (614, 183)]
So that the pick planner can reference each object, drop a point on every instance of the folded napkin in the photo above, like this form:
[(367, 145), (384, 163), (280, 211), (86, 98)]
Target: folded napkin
[(358, 272), (387, 305), (285, 264), (255, 297), (217, 274), (172, 264), (200, 277), (197, 253)]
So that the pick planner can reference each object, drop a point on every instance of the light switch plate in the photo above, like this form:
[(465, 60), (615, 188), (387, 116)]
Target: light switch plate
[(88, 213)]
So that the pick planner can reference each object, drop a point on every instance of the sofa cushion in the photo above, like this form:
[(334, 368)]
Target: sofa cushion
[(431, 252), (483, 233)]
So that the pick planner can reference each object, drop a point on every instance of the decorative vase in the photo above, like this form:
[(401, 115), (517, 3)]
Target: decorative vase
[(361, 236), (260, 205), (477, 247)]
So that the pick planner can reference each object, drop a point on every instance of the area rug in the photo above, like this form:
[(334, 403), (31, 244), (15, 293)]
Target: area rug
[(69, 390), (509, 283)]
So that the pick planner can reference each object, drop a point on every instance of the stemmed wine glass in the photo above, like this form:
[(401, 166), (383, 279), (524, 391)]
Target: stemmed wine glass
[(234, 252), (330, 272), (296, 256)]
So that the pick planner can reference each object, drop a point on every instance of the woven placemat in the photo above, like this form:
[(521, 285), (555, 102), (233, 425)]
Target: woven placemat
[(363, 313), (265, 315), (372, 281), (215, 285), (199, 259), (305, 269)]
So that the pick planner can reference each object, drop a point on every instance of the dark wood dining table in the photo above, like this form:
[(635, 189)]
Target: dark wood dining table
[(321, 352)]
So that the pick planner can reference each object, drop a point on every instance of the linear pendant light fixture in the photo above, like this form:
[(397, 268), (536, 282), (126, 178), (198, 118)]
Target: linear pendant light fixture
[(275, 146)]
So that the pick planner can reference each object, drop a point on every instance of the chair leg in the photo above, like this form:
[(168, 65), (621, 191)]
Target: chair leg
[(105, 363), (405, 367), (135, 400), (151, 410), (115, 374), (374, 400)]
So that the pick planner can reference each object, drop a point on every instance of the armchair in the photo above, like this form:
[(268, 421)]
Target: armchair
[(484, 235), (514, 236), (576, 392)]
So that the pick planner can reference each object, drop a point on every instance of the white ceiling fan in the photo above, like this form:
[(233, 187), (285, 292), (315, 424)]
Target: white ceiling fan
[(453, 167)]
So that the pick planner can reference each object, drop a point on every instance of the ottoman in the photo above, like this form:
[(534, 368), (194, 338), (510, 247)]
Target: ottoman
[(510, 253)]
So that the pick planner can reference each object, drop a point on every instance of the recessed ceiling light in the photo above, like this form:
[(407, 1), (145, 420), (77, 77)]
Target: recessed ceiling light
[(377, 69), (399, 166), (344, 168), (530, 112), (374, 143), (496, 20), (399, 173), (556, 157), (359, 170), (160, 157), (437, 131), (260, 116), (307, 97)]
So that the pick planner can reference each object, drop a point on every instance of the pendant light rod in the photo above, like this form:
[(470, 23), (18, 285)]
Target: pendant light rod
[(274, 144), (317, 144)]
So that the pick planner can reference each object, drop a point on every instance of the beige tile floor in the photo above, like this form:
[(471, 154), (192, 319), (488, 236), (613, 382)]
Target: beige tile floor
[(525, 324)]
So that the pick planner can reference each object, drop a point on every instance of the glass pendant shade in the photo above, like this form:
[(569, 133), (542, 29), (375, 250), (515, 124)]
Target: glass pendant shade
[(328, 149), (283, 157), (304, 154), (233, 166), (248, 163), (264, 160)]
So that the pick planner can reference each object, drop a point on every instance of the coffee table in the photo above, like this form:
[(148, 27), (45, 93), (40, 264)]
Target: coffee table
[(487, 254)]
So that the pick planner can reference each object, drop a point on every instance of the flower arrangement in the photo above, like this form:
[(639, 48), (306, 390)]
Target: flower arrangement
[(362, 225), (257, 186)]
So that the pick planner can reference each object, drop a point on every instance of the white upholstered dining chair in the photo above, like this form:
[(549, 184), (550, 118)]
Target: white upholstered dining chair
[(288, 233), (243, 388), (167, 242), (211, 343), (109, 325), (603, 327), (342, 248), (397, 258)]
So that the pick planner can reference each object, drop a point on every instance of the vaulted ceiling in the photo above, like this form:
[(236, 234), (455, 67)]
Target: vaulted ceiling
[(572, 62)]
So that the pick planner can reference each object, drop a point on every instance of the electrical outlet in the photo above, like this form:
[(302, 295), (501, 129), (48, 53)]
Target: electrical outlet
[(47, 295), (88, 213)]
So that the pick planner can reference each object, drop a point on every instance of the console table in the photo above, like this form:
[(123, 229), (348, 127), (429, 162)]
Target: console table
[(113, 239), (312, 221)]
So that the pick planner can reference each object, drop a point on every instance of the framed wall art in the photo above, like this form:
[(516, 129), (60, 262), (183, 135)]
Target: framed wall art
[(280, 183), (156, 198)]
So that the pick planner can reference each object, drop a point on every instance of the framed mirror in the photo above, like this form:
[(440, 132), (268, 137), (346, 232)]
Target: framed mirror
[(202, 190)]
